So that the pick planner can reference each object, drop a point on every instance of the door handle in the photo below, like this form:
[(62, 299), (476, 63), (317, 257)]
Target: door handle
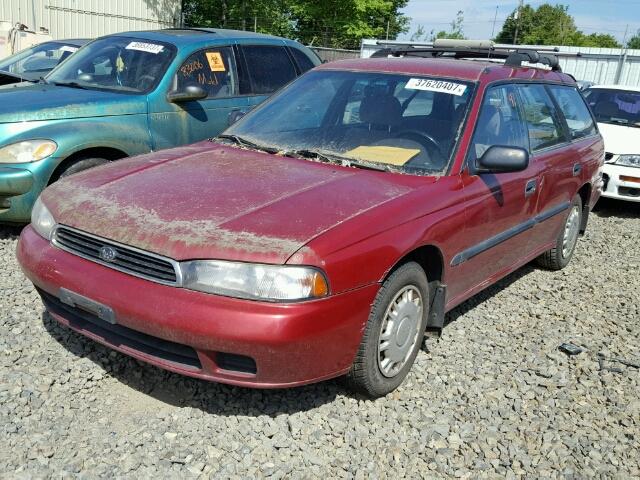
[(530, 188), (577, 168)]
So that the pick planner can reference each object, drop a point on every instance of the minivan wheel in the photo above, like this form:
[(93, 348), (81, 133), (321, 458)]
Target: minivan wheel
[(393, 333), (81, 165), (559, 256)]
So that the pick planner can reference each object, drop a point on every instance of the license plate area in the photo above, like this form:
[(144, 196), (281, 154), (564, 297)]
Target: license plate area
[(76, 300)]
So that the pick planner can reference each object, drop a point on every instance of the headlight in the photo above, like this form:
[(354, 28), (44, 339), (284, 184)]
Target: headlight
[(27, 151), (41, 220), (254, 281), (629, 160)]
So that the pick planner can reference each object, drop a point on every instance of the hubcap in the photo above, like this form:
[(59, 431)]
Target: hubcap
[(399, 331), (571, 230)]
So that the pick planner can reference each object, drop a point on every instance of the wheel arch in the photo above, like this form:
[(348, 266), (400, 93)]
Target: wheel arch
[(108, 153)]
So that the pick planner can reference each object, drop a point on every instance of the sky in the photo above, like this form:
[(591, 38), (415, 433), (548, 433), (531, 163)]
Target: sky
[(603, 16)]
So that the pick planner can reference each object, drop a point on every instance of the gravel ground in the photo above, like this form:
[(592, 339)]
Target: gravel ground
[(492, 398)]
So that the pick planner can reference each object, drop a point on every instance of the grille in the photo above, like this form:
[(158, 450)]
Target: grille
[(120, 336), (119, 257)]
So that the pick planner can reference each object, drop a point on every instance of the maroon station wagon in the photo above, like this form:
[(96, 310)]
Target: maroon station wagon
[(326, 231)]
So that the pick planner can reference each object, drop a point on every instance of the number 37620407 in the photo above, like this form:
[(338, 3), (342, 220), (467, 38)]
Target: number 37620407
[(436, 86)]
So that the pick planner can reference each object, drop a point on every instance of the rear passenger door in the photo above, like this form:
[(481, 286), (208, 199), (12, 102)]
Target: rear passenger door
[(265, 69)]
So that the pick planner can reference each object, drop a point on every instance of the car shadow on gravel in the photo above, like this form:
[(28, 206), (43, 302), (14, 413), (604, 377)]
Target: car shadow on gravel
[(10, 232), (609, 207), (181, 391)]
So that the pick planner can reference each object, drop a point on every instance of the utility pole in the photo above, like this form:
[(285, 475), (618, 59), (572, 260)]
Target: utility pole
[(387, 29), (495, 18), (517, 18), (623, 57), (255, 23)]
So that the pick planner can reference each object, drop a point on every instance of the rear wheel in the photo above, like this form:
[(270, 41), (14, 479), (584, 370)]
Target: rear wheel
[(393, 333), (559, 256)]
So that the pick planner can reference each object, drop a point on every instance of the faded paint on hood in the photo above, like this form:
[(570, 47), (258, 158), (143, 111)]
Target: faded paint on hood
[(620, 140), (219, 202), (31, 102)]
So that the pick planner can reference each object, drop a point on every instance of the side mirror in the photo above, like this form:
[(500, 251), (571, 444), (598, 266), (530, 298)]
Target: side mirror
[(236, 115), (500, 159), (187, 94)]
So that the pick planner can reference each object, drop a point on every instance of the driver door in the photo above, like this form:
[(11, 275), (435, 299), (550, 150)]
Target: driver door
[(214, 70)]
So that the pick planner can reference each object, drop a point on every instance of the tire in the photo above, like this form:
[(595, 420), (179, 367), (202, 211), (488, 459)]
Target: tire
[(81, 165), (559, 256), (374, 372)]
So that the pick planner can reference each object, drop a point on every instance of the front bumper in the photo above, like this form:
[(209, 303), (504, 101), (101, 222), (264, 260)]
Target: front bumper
[(20, 186), (619, 188), (291, 344)]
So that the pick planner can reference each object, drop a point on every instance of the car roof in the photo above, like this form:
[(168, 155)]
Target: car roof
[(183, 36), (78, 42), (470, 70), (627, 88)]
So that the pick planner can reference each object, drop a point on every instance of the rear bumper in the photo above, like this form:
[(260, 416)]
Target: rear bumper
[(619, 188), (291, 344)]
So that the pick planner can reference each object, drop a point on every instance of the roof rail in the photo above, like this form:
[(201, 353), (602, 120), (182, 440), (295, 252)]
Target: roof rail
[(481, 49)]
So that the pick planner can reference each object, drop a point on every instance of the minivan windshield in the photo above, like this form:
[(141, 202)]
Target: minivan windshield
[(32, 63), (620, 107), (118, 64), (403, 123)]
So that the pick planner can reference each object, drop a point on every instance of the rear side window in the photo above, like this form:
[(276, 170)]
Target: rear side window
[(304, 62), (575, 111), (541, 116), (269, 67), (212, 69), (500, 122)]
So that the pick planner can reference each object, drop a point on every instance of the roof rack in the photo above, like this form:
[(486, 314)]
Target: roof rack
[(481, 49)]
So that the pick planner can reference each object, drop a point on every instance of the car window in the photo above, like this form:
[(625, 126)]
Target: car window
[(541, 116), (575, 111), (301, 58), (269, 67), (500, 122), (38, 60), (212, 69), (615, 106)]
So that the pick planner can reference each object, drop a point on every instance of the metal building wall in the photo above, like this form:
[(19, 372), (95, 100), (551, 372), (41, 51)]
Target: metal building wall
[(91, 18), (599, 65)]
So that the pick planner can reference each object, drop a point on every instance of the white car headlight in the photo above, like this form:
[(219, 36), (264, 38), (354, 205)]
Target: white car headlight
[(41, 220), (27, 151), (628, 160), (254, 281)]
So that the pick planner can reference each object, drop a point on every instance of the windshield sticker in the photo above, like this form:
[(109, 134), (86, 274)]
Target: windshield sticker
[(216, 64), (69, 49), (145, 47), (440, 86)]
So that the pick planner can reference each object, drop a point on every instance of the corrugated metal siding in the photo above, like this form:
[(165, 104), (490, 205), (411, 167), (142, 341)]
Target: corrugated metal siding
[(91, 18), (598, 65)]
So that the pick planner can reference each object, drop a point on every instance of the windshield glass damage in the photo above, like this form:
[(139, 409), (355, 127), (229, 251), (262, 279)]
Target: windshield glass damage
[(388, 122)]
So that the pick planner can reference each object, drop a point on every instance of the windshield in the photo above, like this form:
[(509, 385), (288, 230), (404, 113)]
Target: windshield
[(118, 64), (620, 107), (34, 62), (394, 122)]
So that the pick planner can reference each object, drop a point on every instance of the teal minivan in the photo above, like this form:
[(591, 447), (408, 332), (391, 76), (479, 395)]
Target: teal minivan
[(133, 93)]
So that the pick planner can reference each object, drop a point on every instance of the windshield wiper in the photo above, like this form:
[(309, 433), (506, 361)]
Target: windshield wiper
[(70, 84), (332, 158), (243, 142)]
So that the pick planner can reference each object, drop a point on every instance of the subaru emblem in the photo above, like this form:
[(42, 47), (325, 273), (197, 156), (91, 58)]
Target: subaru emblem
[(108, 254)]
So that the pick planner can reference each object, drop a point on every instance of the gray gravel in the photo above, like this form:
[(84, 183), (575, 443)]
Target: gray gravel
[(493, 398)]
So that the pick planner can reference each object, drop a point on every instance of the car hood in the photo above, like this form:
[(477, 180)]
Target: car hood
[(620, 140), (26, 102), (212, 201)]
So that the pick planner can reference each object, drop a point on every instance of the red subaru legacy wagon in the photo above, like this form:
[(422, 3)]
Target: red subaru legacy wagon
[(326, 231)]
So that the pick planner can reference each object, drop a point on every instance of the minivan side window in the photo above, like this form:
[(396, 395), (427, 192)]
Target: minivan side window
[(212, 69), (575, 110), (545, 128), (499, 122), (301, 58), (270, 67)]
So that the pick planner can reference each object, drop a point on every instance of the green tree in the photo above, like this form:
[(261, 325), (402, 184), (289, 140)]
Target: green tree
[(634, 42), (549, 25), (456, 29)]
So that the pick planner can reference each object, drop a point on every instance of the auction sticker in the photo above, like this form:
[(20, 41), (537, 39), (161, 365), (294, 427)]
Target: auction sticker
[(436, 86), (216, 64), (145, 47)]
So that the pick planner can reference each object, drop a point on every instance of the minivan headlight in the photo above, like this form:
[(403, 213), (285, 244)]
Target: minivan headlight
[(628, 160), (41, 220), (274, 283), (27, 151)]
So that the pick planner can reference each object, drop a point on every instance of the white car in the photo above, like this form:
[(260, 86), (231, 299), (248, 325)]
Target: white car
[(617, 110)]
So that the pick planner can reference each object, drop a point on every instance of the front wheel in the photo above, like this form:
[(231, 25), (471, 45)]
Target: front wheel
[(393, 333), (560, 255)]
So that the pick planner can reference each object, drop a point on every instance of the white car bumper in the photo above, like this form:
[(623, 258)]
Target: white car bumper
[(622, 183)]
